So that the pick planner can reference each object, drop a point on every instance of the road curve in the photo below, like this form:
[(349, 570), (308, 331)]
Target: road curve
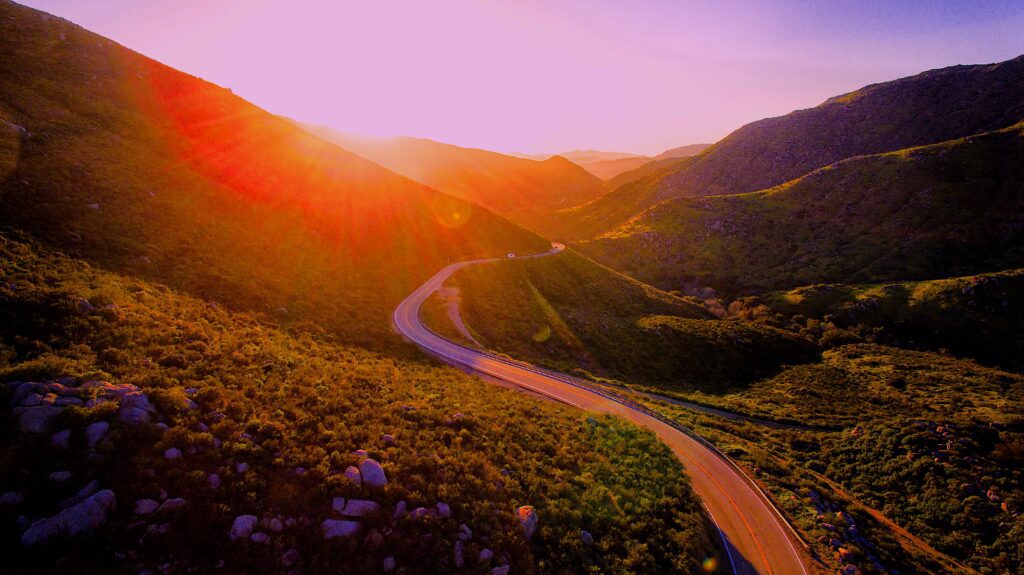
[(756, 539)]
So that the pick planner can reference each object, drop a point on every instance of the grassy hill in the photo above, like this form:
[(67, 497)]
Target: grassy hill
[(928, 108), (571, 314), (135, 166), (293, 406), (941, 210), (523, 190), (974, 316), (608, 169)]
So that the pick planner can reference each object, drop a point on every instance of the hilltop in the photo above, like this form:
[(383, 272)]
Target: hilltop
[(143, 169), (935, 211), (924, 109), (525, 191)]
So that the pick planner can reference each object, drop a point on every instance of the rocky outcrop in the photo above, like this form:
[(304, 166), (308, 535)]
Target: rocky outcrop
[(334, 528), (87, 515), (242, 527)]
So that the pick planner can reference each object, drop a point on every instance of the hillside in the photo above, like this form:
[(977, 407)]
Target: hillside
[(682, 151), (573, 315), (929, 108), (947, 209), (224, 417), (525, 191), (140, 168), (979, 317)]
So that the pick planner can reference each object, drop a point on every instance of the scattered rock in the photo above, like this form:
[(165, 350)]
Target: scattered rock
[(259, 538), (528, 519), (586, 538), (359, 508), (465, 533), (84, 306), (353, 475), (213, 481), (457, 554), (61, 439), (60, 476), (242, 527), (95, 433), (485, 555), (38, 419), (242, 468), (388, 439), (146, 506), (333, 528), (133, 415), (443, 510), (172, 504), (172, 453), (502, 570), (389, 564), (11, 499), (82, 517), (372, 473), (290, 557)]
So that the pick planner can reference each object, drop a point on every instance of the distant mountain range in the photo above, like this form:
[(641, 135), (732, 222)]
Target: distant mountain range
[(609, 165), (527, 192)]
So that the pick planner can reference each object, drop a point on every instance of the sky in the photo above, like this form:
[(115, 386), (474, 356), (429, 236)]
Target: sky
[(543, 76)]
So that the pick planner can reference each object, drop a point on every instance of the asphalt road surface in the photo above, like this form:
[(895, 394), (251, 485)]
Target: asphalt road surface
[(756, 539)]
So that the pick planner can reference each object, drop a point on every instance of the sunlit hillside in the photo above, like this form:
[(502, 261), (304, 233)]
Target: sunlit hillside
[(525, 191), (141, 168)]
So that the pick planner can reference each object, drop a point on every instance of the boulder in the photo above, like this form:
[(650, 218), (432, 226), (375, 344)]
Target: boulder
[(39, 419), (133, 415), (95, 432), (389, 564), (172, 453), (242, 468), (465, 533), (213, 481), (443, 510), (259, 538), (372, 473), (586, 538), (528, 519), (359, 508), (338, 503), (457, 554), (388, 439), (334, 528), (85, 516), (352, 472), (61, 439), (485, 555), (501, 570), (146, 506), (242, 527)]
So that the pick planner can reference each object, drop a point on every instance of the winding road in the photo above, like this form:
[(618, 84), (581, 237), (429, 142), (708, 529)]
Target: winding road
[(756, 539)]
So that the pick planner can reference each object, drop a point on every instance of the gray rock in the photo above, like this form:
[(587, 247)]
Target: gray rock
[(38, 419), (172, 504), (353, 475), (135, 398), (66, 401), (502, 570), (338, 504), (172, 453), (95, 432), (60, 476), (11, 498), (372, 473), (528, 519), (242, 527), (259, 538), (399, 509), (457, 554), (465, 533), (359, 508), (83, 304), (486, 555), (443, 510), (83, 517), (133, 415), (586, 538), (389, 564), (290, 557), (61, 439), (213, 481), (388, 439), (89, 488), (242, 468), (334, 528), (146, 506)]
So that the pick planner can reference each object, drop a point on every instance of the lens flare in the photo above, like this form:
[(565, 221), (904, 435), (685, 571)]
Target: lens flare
[(710, 565)]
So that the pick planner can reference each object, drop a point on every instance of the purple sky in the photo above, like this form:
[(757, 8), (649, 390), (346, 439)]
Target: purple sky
[(551, 75)]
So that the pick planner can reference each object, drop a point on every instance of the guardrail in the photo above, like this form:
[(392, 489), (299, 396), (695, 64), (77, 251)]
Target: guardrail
[(594, 388)]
